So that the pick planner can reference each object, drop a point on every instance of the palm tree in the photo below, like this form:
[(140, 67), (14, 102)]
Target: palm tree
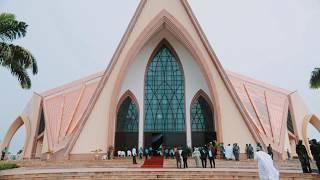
[(13, 57), (315, 79)]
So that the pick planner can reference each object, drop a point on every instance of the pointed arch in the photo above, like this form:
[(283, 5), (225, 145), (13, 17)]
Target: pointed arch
[(203, 124), (128, 93), (164, 82), (127, 122)]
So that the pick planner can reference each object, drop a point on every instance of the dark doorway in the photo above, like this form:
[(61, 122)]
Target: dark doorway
[(157, 140), (200, 139), (166, 139)]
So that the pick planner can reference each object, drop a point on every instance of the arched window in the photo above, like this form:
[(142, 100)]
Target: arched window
[(127, 126), (201, 115), (127, 117), (202, 126), (164, 101)]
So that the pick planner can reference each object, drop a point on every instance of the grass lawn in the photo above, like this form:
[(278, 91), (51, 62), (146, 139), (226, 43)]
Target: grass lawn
[(7, 165)]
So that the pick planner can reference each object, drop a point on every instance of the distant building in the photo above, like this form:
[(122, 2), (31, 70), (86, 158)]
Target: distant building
[(163, 86)]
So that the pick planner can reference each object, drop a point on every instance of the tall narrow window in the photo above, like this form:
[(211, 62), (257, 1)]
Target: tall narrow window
[(127, 125), (289, 123), (164, 103), (42, 123), (202, 125)]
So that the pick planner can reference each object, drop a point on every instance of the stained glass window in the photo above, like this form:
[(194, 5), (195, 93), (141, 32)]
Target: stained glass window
[(127, 117), (201, 115), (164, 104)]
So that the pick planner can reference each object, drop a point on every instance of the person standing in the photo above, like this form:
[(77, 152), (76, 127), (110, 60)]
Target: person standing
[(184, 155), (236, 151), (247, 151), (171, 153), (315, 151), (211, 153), (204, 155), (140, 152), (269, 148), (3, 153), (150, 151), (250, 151), (178, 158), (303, 157), (229, 152), (146, 152), (134, 155), (196, 155), (222, 151), (166, 153)]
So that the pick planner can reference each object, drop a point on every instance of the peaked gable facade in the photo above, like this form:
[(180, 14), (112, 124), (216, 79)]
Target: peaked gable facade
[(176, 17)]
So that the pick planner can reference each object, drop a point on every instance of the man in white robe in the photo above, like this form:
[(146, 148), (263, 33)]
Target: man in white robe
[(265, 164), (196, 155), (229, 152)]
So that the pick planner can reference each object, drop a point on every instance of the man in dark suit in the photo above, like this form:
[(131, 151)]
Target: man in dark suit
[(184, 155), (303, 157), (211, 155), (203, 157)]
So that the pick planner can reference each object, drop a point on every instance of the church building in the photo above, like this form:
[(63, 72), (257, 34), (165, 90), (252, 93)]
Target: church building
[(164, 86)]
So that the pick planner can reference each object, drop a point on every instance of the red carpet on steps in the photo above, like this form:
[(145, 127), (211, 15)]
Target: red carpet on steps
[(153, 162)]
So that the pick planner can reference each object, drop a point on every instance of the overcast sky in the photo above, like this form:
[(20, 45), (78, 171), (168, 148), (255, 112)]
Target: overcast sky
[(270, 40)]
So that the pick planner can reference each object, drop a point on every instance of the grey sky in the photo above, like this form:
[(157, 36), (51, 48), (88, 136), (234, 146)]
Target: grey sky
[(270, 40)]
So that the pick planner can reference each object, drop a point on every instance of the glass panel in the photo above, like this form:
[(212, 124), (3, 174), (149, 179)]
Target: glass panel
[(164, 94), (289, 122), (127, 117), (201, 115), (42, 123)]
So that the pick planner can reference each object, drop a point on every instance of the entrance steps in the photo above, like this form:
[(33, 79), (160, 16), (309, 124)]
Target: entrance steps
[(147, 174), (124, 169), (153, 162), (245, 164)]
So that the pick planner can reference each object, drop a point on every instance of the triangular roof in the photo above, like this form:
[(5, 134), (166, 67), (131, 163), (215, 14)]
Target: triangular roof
[(168, 20), (63, 107), (267, 106)]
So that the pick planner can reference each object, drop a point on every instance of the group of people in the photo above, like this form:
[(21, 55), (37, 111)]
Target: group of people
[(6, 155), (233, 152), (230, 152), (304, 157), (200, 154)]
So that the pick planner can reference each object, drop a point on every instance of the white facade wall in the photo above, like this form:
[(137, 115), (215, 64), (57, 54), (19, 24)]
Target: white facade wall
[(134, 79)]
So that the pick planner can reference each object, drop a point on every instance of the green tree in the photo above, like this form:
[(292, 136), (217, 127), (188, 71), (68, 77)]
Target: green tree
[(13, 57), (315, 78)]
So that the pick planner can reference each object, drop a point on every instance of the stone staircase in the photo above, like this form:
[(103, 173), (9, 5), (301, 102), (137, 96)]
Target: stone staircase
[(124, 169), (222, 174), (115, 163), (245, 164)]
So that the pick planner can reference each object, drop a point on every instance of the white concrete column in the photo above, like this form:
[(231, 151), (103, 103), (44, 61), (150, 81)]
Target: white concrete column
[(188, 127), (141, 127)]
